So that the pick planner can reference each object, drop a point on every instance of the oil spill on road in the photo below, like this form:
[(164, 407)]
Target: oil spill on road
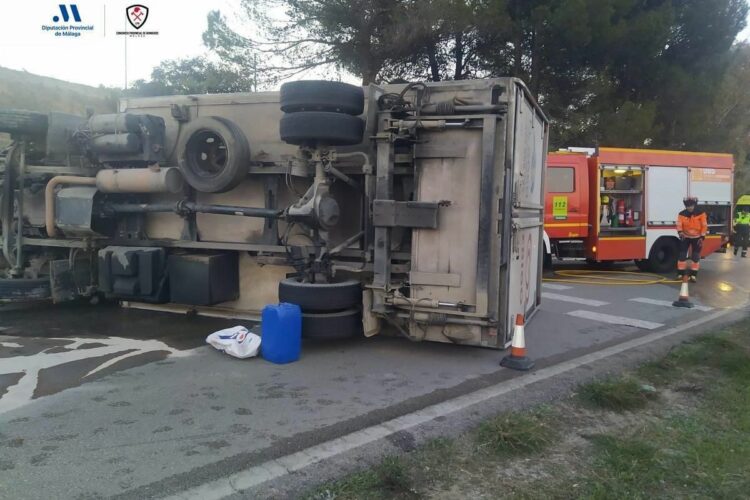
[(82, 320), (52, 348), (65, 364)]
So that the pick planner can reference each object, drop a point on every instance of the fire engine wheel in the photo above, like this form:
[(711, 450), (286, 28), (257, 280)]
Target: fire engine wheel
[(15, 121), (547, 261), (18, 290), (336, 325), (213, 154), (643, 265), (663, 255), (321, 127), (319, 95), (321, 297)]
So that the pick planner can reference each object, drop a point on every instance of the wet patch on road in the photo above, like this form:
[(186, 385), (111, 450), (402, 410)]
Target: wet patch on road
[(81, 320), (50, 348), (7, 380), (46, 366)]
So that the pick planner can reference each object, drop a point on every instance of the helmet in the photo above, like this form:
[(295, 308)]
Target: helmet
[(690, 201)]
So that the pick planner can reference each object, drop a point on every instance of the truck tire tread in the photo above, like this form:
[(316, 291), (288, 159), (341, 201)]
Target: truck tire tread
[(321, 127), (18, 121), (335, 325), (321, 297), (320, 95)]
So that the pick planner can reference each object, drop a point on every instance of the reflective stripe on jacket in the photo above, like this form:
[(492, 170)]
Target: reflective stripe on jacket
[(692, 224), (742, 218)]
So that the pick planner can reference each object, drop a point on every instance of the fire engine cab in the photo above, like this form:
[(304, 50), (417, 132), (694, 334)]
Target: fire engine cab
[(614, 204)]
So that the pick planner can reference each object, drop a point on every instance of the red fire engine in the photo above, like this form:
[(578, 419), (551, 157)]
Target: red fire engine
[(616, 204)]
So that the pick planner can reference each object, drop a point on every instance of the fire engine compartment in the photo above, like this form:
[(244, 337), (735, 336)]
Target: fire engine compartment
[(411, 208)]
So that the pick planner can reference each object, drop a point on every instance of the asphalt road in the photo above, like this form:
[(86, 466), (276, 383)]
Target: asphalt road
[(100, 401)]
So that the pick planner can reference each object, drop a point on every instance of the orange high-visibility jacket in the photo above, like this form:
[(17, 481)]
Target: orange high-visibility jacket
[(692, 224)]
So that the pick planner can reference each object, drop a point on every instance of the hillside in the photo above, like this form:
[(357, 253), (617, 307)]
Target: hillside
[(23, 90)]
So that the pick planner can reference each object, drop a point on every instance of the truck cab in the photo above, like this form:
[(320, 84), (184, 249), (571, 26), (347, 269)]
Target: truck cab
[(567, 204)]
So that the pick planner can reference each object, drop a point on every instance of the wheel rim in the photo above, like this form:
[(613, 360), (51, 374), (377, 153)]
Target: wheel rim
[(207, 154)]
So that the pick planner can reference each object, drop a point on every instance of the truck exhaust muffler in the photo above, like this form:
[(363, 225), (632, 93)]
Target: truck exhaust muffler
[(140, 180)]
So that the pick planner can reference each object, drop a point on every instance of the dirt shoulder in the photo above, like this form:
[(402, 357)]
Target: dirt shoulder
[(676, 427)]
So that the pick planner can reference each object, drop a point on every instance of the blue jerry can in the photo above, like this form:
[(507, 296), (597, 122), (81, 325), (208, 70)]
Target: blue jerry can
[(281, 341)]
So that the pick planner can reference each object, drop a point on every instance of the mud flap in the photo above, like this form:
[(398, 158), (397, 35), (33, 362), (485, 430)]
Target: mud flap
[(69, 283), (370, 322)]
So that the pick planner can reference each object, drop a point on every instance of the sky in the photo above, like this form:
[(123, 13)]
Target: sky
[(100, 56)]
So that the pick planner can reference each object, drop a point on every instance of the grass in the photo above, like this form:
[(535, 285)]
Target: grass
[(617, 394), (515, 433), (704, 452), (692, 441), (389, 479)]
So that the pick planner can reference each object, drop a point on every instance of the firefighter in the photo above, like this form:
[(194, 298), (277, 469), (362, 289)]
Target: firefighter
[(742, 230), (692, 226)]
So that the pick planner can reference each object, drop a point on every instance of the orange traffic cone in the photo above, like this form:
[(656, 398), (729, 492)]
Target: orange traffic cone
[(684, 299), (517, 359)]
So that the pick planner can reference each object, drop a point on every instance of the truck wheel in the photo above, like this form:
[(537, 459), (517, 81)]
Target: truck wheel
[(663, 255), (19, 290), (643, 265), (320, 95), (336, 325), (321, 297), (321, 127), (213, 154), (16, 121)]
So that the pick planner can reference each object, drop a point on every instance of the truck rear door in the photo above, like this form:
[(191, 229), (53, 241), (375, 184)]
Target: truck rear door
[(526, 189)]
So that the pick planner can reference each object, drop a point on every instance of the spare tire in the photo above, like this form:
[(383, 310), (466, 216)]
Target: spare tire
[(19, 290), (213, 154), (321, 297), (321, 95), (18, 121), (321, 127), (335, 325)]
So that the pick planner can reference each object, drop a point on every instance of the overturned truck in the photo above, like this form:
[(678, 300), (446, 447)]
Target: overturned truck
[(412, 208)]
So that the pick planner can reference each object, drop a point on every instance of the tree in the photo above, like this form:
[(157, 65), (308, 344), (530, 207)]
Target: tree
[(376, 40), (612, 72), (358, 36), (729, 126), (196, 75)]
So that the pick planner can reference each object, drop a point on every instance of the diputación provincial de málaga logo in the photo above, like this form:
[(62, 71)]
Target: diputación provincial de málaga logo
[(67, 22)]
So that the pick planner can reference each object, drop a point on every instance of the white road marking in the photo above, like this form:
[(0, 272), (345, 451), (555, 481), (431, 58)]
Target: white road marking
[(574, 300), (10, 344), (668, 303), (615, 320), (553, 286), (277, 468)]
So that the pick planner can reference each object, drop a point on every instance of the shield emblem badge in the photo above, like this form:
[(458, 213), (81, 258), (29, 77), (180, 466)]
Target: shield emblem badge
[(137, 15)]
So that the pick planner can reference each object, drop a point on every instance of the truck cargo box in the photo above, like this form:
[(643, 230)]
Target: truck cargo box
[(417, 208)]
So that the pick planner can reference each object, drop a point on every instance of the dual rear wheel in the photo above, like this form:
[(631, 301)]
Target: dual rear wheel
[(321, 113), (329, 310)]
